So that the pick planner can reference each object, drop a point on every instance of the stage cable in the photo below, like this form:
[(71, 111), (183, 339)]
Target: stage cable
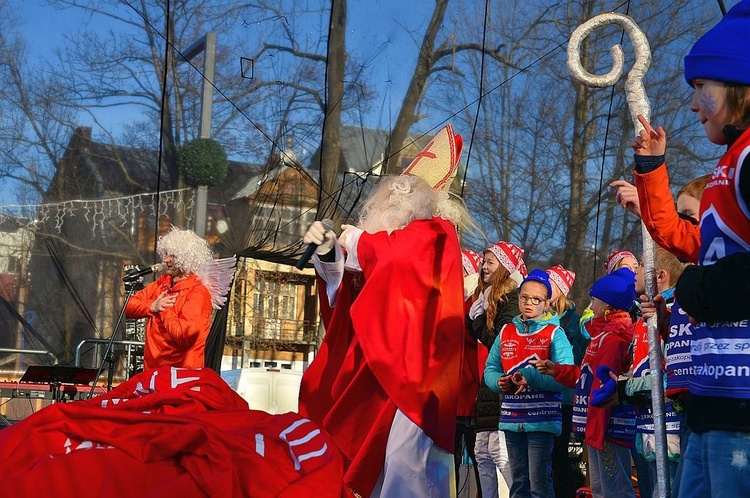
[(325, 111), (369, 171), (167, 27), (604, 157), (213, 85), (479, 101), (322, 193)]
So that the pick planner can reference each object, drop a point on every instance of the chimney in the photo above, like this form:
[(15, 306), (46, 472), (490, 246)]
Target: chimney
[(83, 137)]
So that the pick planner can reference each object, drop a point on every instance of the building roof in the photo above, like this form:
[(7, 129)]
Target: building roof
[(94, 170), (363, 149)]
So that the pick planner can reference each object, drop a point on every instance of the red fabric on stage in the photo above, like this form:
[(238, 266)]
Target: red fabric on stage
[(393, 341), (168, 433)]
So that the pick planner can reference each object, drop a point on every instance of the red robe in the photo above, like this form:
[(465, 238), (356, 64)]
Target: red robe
[(392, 342), (472, 369)]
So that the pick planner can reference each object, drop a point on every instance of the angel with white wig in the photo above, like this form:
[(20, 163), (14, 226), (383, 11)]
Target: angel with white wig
[(178, 305)]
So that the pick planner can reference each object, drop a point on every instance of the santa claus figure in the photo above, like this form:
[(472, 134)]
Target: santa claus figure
[(385, 381)]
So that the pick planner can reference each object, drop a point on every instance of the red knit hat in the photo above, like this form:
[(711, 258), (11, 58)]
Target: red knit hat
[(509, 255), (615, 258), (562, 277), (471, 261)]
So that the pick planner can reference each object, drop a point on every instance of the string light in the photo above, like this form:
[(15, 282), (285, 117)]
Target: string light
[(96, 213)]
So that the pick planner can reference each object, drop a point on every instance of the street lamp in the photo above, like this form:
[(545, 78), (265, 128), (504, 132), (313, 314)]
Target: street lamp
[(206, 44)]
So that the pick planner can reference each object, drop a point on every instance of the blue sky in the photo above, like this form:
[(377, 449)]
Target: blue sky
[(44, 25), (376, 36), (45, 28)]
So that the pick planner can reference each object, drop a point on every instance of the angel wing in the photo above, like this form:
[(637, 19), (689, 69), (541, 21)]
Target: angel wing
[(216, 275)]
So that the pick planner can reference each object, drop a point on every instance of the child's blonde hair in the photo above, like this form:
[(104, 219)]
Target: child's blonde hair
[(694, 188), (738, 103), (561, 304), (667, 261)]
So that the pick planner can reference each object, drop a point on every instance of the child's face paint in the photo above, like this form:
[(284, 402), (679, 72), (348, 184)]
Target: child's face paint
[(710, 103)]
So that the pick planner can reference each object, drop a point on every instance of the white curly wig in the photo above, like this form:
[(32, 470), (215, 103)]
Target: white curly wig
[(189, 250), (399, 200)]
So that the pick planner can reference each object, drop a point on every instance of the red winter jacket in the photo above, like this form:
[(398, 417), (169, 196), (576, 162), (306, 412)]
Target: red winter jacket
[(613, 351), (175, 336), (659, 215)]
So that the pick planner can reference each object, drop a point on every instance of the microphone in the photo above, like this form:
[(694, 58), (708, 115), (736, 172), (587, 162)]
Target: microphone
[(134, 274), (305, 258)]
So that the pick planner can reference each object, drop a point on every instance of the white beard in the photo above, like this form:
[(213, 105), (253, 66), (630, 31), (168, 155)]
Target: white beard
[(396, 202), (388, 220)]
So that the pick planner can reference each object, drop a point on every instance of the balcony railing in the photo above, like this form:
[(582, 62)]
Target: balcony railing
[(280, 330)]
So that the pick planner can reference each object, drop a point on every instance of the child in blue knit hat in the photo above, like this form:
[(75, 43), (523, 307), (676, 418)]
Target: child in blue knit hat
[(531, 413), (609, 431), (717, 459)]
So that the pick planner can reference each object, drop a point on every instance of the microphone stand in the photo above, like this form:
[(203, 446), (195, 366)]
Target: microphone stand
[(108, 356)]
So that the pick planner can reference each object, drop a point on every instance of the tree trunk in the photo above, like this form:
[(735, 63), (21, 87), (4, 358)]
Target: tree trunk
[(407, 115), (575, 234), (331, 143)]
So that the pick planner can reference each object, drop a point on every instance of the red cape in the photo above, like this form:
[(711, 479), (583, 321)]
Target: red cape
[(393, 342), (471, 370), (167, 433)]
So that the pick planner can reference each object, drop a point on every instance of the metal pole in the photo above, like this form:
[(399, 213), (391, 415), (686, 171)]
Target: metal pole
[(207, 45)]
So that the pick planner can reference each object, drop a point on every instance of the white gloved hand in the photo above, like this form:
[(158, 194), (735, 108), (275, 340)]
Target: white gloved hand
[(320, 235), (477, 307)]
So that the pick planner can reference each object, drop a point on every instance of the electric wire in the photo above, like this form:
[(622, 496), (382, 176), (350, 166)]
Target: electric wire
[(604, 157), (165, 71), (479, 102)]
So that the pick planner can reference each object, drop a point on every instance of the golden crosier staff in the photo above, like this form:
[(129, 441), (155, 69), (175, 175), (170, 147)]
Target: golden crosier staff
[(638, 104)]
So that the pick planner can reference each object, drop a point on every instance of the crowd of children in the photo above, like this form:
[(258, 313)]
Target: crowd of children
[(539, 367), (542, 362), (701, 305)]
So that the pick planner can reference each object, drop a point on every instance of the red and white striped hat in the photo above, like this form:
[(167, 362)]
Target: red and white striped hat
[(471, 261), (562, 277), (616, 257), (509, 255)]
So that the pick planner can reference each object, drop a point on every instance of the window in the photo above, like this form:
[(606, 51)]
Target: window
[(274, 301), (14, 264)]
